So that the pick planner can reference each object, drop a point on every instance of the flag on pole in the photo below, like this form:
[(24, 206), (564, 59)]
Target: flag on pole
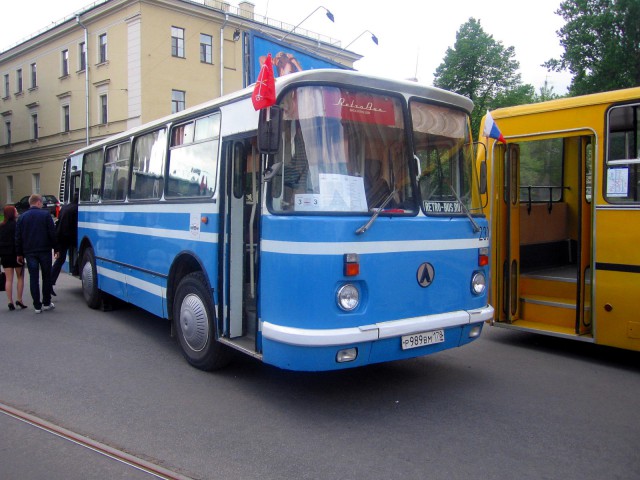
[(264, 93), (491, 130)]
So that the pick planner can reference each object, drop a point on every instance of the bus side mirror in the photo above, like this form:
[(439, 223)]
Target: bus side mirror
[(481, 156), (269, 130), (483, 178)]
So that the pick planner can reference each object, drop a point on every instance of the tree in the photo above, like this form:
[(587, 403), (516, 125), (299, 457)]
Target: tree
[(482, 69), (601, 39)]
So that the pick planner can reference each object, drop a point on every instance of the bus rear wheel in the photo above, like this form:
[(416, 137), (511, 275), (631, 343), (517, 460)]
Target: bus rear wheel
[(195, 325), (89, 276)]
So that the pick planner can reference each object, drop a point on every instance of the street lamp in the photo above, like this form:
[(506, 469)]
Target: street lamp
[(329, 16), (373, 38)]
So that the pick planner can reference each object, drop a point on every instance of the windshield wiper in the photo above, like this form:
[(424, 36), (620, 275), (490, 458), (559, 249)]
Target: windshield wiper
[(366, 226), (476, 228)]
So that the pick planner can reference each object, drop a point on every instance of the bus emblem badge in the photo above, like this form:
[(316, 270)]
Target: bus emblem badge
[(426, 274)]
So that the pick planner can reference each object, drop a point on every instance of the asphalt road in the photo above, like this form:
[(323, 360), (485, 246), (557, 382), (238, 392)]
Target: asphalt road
[(508, 406)]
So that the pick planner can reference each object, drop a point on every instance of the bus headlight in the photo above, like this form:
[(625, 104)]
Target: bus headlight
[(348, 297), (478, 283)]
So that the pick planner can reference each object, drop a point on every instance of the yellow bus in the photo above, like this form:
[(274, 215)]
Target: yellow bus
[(565, 217)]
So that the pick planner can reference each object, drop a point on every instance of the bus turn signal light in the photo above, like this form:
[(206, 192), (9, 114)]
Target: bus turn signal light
[(351, 264), (483, 257)]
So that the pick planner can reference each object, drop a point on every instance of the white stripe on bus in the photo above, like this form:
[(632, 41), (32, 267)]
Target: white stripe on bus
[(148, 287), (339, 248), (151, 232)]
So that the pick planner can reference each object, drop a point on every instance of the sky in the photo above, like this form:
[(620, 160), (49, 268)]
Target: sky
[(413, 35)]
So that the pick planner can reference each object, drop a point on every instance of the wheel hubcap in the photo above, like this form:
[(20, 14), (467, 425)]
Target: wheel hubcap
[(194, 322)]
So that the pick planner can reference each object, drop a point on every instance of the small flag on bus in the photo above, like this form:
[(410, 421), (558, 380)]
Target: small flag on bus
[(264, 93), (491, 130)]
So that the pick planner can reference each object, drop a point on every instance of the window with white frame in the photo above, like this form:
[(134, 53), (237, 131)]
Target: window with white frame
[(104, 109), (66, 119), (6, 85), (34, 126), (177, 42), (35, 182), (102, 48), (9, 188), (178, 102), (34, 75), (206, 48), (7, 133), (19, 80), (64, 70), (82, 56)]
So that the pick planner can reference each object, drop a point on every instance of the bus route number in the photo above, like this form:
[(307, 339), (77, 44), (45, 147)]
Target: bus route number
[(421, 339)]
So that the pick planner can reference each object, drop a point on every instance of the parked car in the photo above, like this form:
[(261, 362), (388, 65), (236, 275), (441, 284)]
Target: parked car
[(49, 202)]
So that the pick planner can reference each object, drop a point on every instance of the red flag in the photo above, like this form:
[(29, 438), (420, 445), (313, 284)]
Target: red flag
[(264, 93)]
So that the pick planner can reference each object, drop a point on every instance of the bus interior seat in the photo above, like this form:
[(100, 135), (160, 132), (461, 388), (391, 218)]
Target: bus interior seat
[(376, 186)]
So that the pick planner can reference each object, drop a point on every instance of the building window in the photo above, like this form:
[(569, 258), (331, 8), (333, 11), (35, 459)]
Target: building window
[(66, 122), (34, 76), (102, 48), (7, 133), (35, 182), (65, 63), (177, 101), (177, 42), (104, 117), (206, 48), (34, 127), (19, 80), (82, 56), (9, 188), (6, 85)]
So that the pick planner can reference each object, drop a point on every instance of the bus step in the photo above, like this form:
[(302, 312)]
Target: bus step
[(538, 287), (548, 310)]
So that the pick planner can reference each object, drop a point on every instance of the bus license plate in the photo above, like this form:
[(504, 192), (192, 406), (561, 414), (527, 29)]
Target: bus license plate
[(422, 339)]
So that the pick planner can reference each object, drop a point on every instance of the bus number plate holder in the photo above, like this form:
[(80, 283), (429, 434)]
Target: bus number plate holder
[(422, 339)]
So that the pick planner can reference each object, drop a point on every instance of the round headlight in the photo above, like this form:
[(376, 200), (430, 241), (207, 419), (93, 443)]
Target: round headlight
[(478, 283), (348, 297)]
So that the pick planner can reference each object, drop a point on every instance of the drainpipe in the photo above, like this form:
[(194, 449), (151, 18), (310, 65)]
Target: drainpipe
[(86, 75), (226, 19)]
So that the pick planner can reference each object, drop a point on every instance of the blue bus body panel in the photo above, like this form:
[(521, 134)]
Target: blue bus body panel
[(302, 267), (136, 245)]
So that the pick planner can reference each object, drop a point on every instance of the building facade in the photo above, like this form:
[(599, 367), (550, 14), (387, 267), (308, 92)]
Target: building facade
[(121, 63)]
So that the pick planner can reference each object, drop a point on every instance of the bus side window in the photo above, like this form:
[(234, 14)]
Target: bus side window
[(148, 166), (92, 177)]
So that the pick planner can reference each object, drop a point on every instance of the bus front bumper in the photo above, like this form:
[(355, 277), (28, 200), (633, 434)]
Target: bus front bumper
[(317, 349)]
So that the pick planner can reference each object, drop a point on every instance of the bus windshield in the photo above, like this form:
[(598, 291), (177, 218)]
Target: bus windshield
[(445, 155), (343, 150)]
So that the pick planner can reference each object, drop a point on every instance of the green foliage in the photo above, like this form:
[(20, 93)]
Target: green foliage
[(601, 39), (482, 69)]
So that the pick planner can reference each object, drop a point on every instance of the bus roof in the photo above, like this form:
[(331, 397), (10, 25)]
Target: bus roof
[(604, 98), (343, 77)]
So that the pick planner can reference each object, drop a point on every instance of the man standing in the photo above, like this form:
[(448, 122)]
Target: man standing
[(35, 239), (67, 239)]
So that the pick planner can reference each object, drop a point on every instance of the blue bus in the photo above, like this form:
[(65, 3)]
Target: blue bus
[(343, 226)]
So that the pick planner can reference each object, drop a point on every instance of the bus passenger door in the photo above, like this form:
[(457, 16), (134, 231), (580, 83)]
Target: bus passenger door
[(240, 249), (508, 232), (587, 146)]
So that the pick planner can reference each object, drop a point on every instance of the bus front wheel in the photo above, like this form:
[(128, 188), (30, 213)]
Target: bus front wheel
[(89, 276), (194, 320)]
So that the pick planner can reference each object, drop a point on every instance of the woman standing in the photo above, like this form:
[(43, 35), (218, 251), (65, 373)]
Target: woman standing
[(8, 256)]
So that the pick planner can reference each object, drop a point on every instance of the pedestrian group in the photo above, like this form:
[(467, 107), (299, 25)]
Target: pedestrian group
[(32, 237)]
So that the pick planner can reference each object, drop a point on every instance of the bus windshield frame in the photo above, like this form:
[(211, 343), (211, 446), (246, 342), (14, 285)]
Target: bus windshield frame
[(344, 151), (447, 181)]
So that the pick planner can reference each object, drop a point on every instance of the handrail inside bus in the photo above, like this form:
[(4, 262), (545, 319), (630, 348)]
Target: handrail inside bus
[(549, 187)]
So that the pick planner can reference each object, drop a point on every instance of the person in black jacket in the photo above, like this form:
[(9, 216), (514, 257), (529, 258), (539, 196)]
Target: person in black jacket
[(9, 257), (67, 238), (35, 240)]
